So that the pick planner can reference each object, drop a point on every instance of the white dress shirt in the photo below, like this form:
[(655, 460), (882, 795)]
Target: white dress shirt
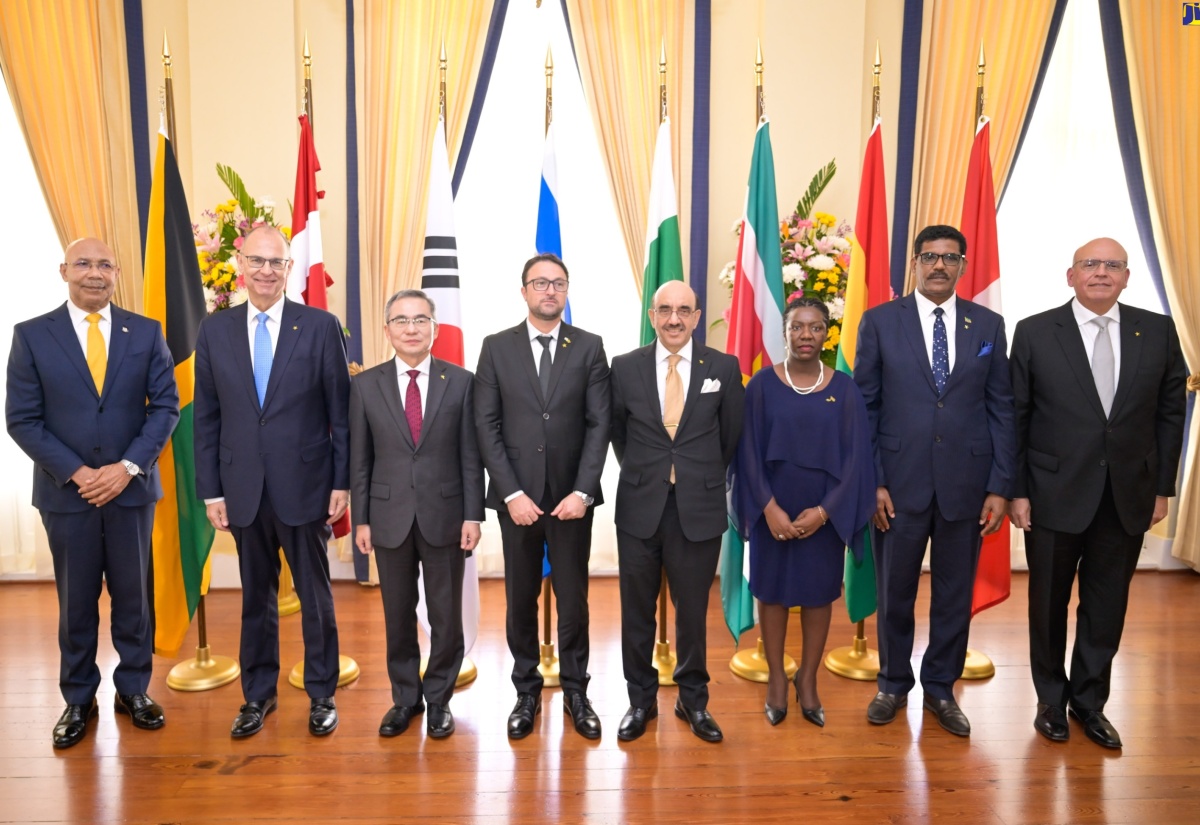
[(684, 368), (925, 308), (1088, 331), (274, 319), (403, 380), (79, 323), (535, 345)]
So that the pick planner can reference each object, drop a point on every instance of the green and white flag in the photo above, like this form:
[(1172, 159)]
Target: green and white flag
[(664, 256)]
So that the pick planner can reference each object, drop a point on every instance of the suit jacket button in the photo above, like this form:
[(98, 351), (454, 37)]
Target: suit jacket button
[(546, 416), (262, 422), (95, 449), (539, 448), (1103, 463), (938, 439), (941, 404)]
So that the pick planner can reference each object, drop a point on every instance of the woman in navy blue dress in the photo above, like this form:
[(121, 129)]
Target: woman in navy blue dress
[(803, 490)]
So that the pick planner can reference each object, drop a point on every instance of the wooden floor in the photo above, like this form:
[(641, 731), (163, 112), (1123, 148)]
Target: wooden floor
[(909, 771)]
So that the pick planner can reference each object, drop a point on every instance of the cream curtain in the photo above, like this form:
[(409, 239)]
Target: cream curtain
[(399, 66), (64, 64), (618, 45), (1164, 79)]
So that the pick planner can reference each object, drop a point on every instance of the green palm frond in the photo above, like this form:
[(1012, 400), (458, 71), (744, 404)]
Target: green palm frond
[(238, 189), (815, 188)]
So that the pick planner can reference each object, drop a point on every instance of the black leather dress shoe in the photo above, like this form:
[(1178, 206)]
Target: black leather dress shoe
[(439, 722), (884, 706), (72, 725), (579, 708), (395, 721), (815, 715), (774, 715), (250, 717), (322, 716), (633, 723), (1051, 722), (520, 721), (949, 715), (701, 722), (144, 711), (1097, 727)]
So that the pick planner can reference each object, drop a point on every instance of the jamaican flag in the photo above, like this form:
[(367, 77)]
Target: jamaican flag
[(173, 296)]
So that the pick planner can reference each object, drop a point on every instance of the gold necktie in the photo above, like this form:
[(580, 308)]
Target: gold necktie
[(673, 400), (97, 358)]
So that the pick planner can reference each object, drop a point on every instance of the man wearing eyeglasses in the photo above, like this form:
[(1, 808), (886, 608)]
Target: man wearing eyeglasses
[(933, 371), (92, 400), (542, 415), (273, 466), (1100, 398), (417, 487), (677, 416)]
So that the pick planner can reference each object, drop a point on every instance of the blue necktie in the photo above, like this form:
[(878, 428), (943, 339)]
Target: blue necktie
[(941, 351), (262, 357)]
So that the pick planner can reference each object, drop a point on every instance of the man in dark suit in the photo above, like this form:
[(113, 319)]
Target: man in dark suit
[(92, 400), (416, 484), (273, 466), (1100, 400), (934, 374), (677, 415), (542, 414)]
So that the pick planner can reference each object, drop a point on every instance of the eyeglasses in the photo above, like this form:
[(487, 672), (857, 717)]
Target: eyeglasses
[(420, 322), (815, 329), (543, 284), (276, 264), (952, 260), (1093, 264), (665, 312), (84, 264)]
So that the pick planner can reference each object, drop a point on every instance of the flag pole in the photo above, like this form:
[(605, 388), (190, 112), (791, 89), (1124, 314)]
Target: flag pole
[(548, 666), (205, 671), (978, 665), (859, 661), (752, 664), (289, 602)]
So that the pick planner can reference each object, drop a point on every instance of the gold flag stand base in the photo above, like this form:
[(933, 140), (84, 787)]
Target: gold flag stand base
[(664, 662), (978, 666), (548, 667), (855, 662), (466, 674), (205, 672), (347, 672), (289, 603), (752, 664)]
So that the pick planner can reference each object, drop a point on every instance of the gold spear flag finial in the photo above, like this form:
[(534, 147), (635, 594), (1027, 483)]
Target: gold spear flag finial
[(166, 51), (982, 62), (442, 56), (662, 57), (307, 53), (878, 62)]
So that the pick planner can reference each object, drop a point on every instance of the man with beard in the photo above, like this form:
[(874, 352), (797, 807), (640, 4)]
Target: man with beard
[(542, 415)]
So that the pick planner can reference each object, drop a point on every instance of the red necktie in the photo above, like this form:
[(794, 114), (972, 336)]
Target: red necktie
[(412, 406)]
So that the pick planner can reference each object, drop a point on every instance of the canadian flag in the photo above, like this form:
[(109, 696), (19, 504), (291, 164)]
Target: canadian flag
[(308, 279)]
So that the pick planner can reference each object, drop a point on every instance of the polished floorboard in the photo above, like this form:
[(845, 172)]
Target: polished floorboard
[(191, 771)]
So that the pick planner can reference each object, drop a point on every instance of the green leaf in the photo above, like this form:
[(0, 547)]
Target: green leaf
[(233, 181), (815, 188)]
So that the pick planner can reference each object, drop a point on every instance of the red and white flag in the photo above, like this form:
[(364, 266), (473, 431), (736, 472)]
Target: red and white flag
[(439, 272), (307, 281), (981, 284)]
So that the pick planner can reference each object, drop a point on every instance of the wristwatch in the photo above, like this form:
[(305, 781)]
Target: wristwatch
[(130, 467), (587, 500)]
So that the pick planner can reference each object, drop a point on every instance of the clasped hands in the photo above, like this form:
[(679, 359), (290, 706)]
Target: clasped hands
[(102, 485), (785, 528), (523, 511)]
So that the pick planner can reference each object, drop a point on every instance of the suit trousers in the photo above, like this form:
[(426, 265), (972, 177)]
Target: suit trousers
[(570, 548), (109, 544), (304, 547), (1106, 558), (443, 570), (953, 556), (691, 567)]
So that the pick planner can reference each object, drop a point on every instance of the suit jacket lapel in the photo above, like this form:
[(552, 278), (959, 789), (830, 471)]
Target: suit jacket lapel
[(701, 364), (911, 323), (63, 331), (1131, 354), (289, 333), (389, 387), (523, 355), (564, 345), (964, 342), (1071, 342), (118, 342), (437, 391), (237, 320), (647, 367)]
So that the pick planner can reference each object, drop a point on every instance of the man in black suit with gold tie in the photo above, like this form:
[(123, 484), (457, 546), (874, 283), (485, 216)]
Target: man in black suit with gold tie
[(542, 414), (1100, 400), (677, 415)]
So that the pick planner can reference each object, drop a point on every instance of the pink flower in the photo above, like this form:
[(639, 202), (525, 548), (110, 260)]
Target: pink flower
[(727, 315), (824, 245), (237, 242), (803, 224)]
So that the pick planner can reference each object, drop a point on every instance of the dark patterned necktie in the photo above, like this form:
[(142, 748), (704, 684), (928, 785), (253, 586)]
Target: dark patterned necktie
[(941, 351), (412, 406), (544, 365)]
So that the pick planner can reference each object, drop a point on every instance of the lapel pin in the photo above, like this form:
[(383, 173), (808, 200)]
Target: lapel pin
[(443, 378), (700, 361), (295, 328), (1137, 334), (126, 329), (831, 399)]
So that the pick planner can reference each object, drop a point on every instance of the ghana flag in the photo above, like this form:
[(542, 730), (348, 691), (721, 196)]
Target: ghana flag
[(173, 295)]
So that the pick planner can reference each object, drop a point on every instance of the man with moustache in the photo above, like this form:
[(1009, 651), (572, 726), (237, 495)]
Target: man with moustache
[(542, 417), (273, 466), (416, 484), (676, 418), (1100, 399), (92, 400), (934, 374)]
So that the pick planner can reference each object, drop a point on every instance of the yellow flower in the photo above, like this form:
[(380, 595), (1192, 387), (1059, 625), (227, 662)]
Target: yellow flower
[(287, 232)]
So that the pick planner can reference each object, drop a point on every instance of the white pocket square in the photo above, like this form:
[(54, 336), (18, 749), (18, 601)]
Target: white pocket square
[(710, 385)]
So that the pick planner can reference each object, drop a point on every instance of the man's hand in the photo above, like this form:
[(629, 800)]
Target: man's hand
[(217, 516), (1161, 503), (83, 476), (780, 522), (884, 509), (571, 507), (107, 483), (992, 515), (470, 535), (339, 500), (808, 522), (362, 539), (523, 511), (1018, 514)]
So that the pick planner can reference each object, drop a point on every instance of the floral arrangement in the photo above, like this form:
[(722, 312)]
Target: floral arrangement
[(219, 234)]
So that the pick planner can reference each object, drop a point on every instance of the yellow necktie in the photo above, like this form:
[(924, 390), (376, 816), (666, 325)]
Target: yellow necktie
[(673, 400), (97, 358)]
